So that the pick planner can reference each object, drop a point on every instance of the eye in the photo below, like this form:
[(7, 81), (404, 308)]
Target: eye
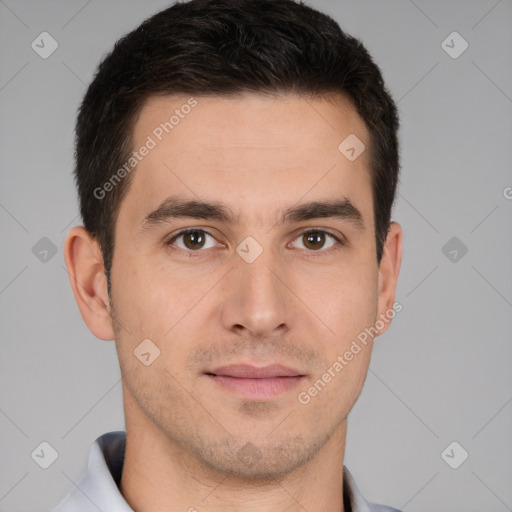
[(315, 239), (193, 240)]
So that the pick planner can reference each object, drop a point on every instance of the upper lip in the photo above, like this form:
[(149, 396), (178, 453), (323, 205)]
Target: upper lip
[(252, 372)]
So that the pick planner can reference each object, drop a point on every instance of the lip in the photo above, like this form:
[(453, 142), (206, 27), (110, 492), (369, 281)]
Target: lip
[(254, 383), (248, 371)]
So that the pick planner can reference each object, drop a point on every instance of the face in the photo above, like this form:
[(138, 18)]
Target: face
[(260, 279)]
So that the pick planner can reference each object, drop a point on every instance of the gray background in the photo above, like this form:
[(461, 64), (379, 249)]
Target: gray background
[(441, 373)]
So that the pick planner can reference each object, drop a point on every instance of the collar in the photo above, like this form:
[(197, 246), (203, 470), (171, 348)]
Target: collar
[(99, 487)]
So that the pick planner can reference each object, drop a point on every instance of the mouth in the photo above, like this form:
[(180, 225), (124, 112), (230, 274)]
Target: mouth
[(256, 383)]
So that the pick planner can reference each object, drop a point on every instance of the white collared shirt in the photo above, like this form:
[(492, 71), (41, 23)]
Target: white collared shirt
[(98, 489)]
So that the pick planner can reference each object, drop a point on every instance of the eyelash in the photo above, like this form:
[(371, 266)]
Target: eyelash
[(199, 252)]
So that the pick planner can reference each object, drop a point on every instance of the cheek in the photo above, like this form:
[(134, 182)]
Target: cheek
[(331, 394), (351, 310), (344, 299), (152, 302), (140, 290)]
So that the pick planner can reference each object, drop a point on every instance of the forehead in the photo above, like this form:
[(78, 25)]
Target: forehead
[(251, 148), (230, 121)]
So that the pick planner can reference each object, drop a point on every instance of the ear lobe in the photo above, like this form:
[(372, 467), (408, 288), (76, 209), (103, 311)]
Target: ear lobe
[(389, 270), (86, 271)]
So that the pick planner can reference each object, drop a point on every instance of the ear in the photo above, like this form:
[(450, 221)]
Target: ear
[(86, 270), (389, 269)]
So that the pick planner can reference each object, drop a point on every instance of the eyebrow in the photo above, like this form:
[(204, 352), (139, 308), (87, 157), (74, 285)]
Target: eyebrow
[(176, 207)]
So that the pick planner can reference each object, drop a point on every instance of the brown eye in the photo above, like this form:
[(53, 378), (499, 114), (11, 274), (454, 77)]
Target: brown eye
[(193, 240), (315, 240)]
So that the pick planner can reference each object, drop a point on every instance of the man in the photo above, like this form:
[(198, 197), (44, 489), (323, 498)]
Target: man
[(237, 163)]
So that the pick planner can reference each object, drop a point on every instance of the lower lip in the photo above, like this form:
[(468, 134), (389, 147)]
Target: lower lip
[(257, 388)]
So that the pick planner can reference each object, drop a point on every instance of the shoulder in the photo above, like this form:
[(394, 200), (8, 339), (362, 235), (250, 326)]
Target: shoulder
[(356, 499)]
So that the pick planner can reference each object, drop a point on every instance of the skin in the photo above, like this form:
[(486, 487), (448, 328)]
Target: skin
[(297, 304)]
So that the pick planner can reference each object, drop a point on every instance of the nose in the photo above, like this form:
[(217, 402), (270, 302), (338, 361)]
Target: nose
[(256, 299)]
